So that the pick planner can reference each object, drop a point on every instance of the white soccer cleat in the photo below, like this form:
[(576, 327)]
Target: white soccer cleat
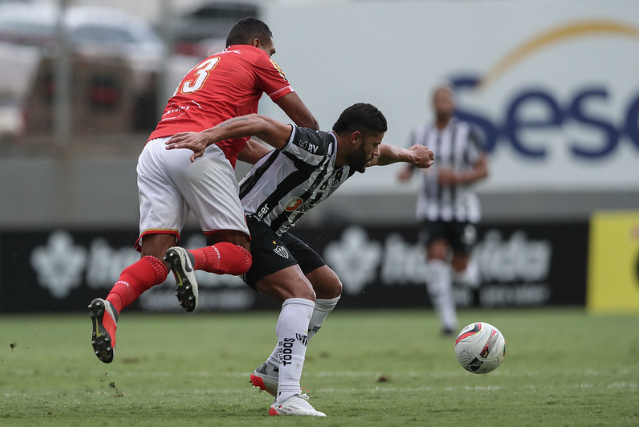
[(295, 405), (264, 381), (181, 264)]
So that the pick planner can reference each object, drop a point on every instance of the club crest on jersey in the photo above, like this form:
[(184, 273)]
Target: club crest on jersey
[(293, 204), (281, 251), (279, 70)]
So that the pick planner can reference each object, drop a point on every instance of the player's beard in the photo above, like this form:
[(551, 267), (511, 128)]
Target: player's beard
[(358, 159)]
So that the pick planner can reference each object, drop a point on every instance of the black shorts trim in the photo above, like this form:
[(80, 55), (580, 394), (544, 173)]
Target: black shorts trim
[(272, 253)]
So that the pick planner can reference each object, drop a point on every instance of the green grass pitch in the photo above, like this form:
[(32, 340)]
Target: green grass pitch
[(365, 368)]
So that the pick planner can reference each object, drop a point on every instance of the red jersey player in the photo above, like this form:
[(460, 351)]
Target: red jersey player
[(225, 85)]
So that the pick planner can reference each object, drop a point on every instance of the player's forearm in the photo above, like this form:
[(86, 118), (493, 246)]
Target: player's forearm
[(237, 127), (268, 130), (417, 156), (389, 154), (477, 173)]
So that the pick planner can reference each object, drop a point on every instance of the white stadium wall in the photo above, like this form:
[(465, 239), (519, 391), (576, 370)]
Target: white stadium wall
[(552, 83)]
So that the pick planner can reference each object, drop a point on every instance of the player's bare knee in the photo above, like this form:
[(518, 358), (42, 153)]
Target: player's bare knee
[(282, 294), (333, 290), (307, 294), (325, 282), (301, 288)]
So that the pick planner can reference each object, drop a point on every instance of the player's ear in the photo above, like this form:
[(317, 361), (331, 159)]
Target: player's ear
[(356, 137), (256, 43)]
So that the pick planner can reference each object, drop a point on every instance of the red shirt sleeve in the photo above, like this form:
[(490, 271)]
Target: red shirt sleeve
[(271, 78)]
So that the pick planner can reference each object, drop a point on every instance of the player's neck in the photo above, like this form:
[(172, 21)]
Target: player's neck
[(340, 156), (442, 122)]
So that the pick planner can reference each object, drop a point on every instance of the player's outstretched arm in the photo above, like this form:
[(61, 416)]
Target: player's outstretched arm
[(418, 156), (268, 130)]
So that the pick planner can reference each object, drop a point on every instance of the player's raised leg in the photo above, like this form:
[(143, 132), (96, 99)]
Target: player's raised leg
[(228, 256), (134, 280), (210, 189)]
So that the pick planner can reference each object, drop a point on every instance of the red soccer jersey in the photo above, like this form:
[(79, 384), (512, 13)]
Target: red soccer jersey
[(225, 85)]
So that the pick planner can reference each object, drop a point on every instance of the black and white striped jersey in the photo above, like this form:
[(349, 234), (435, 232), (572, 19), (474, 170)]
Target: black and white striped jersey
[(285, 184), (458, 147)]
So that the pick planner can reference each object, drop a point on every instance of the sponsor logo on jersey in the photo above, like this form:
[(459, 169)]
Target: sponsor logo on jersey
[(305, 145), (281, 251), (263, 211), (293, 204)]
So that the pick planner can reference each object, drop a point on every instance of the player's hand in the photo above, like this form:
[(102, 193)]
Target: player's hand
[(422, 156), (194, 141), (447, 176)]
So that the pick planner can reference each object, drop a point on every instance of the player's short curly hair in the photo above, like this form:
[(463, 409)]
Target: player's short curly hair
[(362, 117), (248, 29)]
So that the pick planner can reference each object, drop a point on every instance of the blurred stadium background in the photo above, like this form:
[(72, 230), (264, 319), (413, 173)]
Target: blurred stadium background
[(552, 84)]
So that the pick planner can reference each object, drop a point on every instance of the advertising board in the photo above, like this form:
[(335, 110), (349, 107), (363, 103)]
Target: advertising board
[(521, 265)]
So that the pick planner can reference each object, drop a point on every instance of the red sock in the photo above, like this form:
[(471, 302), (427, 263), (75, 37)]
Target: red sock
[(135, 279), (222, 258)]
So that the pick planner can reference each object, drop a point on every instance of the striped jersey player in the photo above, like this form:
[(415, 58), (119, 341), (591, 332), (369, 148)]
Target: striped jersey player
[(447, 205), (456, 147), (287, 183), (306, 168)]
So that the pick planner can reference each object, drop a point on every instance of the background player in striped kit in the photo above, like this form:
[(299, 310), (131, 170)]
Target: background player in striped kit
[(447, 206), (306, 168), (224, 85)]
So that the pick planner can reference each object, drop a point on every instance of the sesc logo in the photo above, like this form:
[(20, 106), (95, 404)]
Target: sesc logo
[(555, 112)]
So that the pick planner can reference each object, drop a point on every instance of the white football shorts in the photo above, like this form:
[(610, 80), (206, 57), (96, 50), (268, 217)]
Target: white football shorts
[(170, 186)]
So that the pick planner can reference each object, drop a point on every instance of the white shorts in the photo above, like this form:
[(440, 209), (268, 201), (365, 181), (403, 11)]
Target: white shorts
[(170, 186)]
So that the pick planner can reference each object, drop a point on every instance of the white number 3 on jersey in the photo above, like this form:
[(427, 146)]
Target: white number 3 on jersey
[(201, 74)]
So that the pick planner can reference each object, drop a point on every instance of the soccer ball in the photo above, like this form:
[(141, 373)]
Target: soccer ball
[(480, 348)]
